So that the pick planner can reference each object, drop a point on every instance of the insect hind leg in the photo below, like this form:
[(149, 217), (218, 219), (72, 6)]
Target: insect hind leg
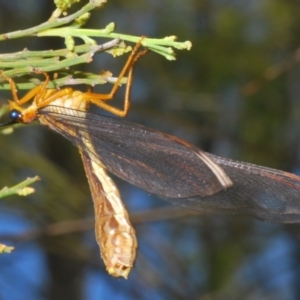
[(99, 99)]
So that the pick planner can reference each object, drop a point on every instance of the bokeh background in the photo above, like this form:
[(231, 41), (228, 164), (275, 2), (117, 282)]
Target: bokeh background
[(235, 94)]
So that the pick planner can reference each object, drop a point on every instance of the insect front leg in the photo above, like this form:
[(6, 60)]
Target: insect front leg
[(14, 91), (46, 96)]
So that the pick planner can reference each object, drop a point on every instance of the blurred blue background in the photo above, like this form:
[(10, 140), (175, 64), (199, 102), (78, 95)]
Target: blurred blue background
[(235, 94)]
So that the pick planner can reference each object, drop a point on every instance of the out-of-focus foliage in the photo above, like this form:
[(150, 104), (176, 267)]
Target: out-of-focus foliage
[(5, 249), (21, 189), (236, 94)]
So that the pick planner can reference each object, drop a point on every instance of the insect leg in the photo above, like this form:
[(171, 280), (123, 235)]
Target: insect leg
[(14, 91), (99, 99)]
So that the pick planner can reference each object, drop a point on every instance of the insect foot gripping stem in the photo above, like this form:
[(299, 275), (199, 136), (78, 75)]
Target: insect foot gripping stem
[(114, 233)]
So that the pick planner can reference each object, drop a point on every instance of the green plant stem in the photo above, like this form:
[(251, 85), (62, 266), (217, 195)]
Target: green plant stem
[(53, 23), (25, 54), (161, 46), (5, 249), (17, 189), (87, 78)]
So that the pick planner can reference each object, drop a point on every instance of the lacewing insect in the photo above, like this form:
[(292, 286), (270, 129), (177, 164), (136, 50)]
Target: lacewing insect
[(161, 164)]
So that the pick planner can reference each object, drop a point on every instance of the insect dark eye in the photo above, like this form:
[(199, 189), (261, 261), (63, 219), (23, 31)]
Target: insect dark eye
[(15, 115)]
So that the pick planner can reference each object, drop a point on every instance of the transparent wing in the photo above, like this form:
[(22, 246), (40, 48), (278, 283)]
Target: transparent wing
[(156, 162), (266, 194), (175, 170)]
